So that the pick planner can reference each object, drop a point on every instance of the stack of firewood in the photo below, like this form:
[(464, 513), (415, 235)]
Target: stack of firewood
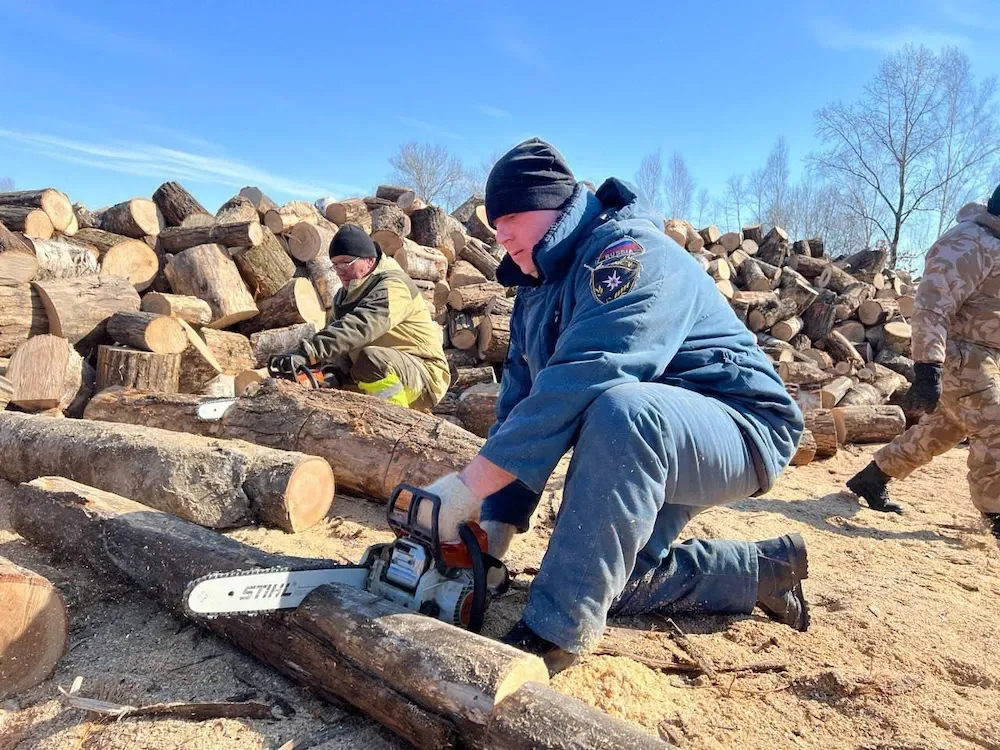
[(837, 332)]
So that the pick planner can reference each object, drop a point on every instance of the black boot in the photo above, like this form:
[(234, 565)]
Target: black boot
[(994, 521), (783, 564), (870, 483), (556, 659)]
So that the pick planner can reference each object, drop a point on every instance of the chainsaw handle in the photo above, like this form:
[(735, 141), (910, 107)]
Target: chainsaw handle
[(471, 542)]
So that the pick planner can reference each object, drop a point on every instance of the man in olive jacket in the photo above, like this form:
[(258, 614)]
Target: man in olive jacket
[(381, 339)]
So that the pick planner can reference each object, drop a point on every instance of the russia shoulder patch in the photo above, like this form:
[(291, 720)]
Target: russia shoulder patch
[(616, 270)]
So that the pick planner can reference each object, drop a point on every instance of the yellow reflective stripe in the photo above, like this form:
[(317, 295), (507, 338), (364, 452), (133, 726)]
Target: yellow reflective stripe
[(390, 388)]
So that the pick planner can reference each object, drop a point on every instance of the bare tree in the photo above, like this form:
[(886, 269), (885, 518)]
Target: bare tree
[(679, 188), (6, 184), (735, 198), (474, 178), (757, 195), (703, 207), (971, 136), (431, 170), (649, 179), (888, 140), (775, 183)]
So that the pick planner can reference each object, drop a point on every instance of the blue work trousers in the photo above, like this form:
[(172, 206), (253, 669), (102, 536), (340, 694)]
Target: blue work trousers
[(648, 458)]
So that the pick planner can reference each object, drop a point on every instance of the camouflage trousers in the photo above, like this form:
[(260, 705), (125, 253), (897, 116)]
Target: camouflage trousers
[(969, 408)]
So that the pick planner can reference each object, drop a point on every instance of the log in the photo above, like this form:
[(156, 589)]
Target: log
[(868, 424), (147, 331), (371, 445), (296, 302), (479, 226), (905, 303), (22, 315), (874, 311), (237, 210), (221, 386), (214, 483), (537, 718), (801, 247), (46, 372), (131, 368), (420, 262), (896, 336), (719, 269), (324, 278), (730, 241), (806, 450), (31, 222), (389, 226), (265, 267), (261, 202), (430, 682), (468, 207), (726, 289), (478, 254), (401, 196), (862, 394), (786, 329), (176, 204), (121, 256), (752, 278), (774, 248), (55, 205), (207, 272), (242, 234), (34, 629), (85, 218), (6, 389), (78, 309), (464, 273), (281, 220), (190, 309), (821, 359), (818, 319), (833, 392), (885, 381), (494, 338), (477, 408), (675, 230), (754, 232), (802, 373), (794, 286), (766, 315), (809, 267), (801, 342), (462, 330), (473, 299), (18, 262), (710, 234), (228, 353), (136, 218), (430, 227), (896, 362), (266, 344), (758, 299), (771, 271), (866, 265), (469, 376), (842, 350), (821, 424), (62, 258), (245, 379), (840, 280), (852, 330), (459, 358), (307, 241), (351, 211)]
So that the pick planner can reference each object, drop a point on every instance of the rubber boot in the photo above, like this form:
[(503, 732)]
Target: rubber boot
[(870, 483), (524, 638), (782, 566), (993, 519)]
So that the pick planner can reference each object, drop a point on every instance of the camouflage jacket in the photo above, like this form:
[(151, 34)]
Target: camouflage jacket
[(959, 294)]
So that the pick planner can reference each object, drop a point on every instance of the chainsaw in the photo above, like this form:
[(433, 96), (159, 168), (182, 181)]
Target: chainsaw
[(453, 582), (313, 377)]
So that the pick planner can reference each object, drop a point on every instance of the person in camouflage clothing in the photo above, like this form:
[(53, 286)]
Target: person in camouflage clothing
[(956, 348)]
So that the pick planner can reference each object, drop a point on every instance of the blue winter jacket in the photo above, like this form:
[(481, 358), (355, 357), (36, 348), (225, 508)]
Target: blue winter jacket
[(616, 302)]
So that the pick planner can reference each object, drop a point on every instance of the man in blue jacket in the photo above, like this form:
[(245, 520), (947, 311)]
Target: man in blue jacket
[(623, 350)]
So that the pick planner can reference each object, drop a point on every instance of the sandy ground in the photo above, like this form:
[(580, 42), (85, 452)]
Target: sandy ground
[(902, 653)]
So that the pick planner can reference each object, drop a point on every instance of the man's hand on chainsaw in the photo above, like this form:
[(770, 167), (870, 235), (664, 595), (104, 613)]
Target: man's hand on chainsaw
[(287, 364), (458, 504)]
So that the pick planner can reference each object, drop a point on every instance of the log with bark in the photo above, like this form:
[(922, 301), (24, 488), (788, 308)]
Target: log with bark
[(176, 203), (477, 408), (787, 329), (820, 358), (463, 273), (466, 377), (229, 353), (351, 211), (265, 267), (897, 363), (190, 309), (136, 218), (266, 344), (236, 210), (479, 226), (296, 302), (261, 202), (429, 682), (46, 372), (31, 222), (768, 313), (842, 350), (132, 368), (214, 483), (371, 445), (868, 424), (281, 220), (118, 255), (78, 309), (307, 241), (866, 265), (806, 450), (207, 272), (473, 299), (821, 424), (819, 319), (874, 311), (463, 330), (422, 262), (832, 393), (389, 226), (147, 331), (54, 204), (22, 315), (85, 218), (861, 394), (6, 388), (430, 227), (494, 335), (803, 373), (65, 258), (478, 254), (896, 337), (324, 278), (241, 234), (34, 628), (18, 262), (751, 278)]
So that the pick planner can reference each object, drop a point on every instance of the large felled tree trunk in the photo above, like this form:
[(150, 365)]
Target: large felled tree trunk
[(371, 445), (22, 315), (213, 483), (34, 628), (431, 683), (207, 272), (176, 204)]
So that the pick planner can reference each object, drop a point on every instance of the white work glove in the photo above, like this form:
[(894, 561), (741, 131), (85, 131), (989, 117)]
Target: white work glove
[(458, 504)]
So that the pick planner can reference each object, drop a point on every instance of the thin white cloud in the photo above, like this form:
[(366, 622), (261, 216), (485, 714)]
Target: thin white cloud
[(520, 45), (167, 163), (834, 34), (495, 112), (428, 127)]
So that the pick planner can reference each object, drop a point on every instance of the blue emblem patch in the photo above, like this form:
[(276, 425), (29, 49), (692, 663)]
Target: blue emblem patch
[(616, 271)]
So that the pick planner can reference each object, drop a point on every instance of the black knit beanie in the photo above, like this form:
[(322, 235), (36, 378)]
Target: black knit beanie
[(994, 205), (354, 241), (532, 176)]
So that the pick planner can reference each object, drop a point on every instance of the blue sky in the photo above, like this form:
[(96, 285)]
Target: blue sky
[(308, 99)]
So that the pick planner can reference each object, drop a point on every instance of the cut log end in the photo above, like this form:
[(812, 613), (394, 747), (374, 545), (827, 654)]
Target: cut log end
[(308, 496)]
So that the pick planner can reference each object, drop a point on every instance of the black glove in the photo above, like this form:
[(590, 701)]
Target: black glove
[(925, 392), (285, 365)]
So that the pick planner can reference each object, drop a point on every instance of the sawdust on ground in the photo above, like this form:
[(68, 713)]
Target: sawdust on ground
[(902, 653)]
